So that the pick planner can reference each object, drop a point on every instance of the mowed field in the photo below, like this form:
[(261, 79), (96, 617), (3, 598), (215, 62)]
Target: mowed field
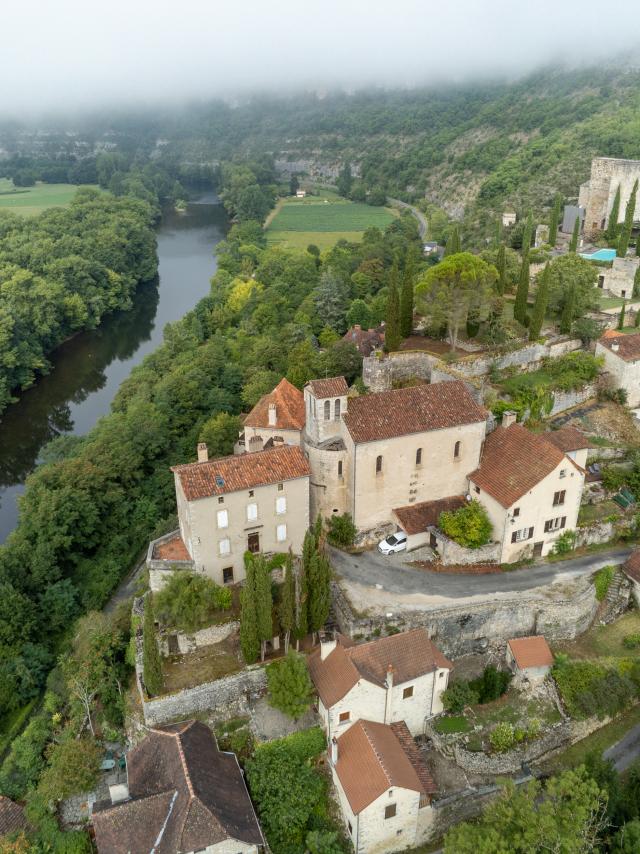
[(28, 201), (323, 220)]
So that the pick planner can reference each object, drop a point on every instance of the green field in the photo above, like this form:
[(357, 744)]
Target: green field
[(33, 200), (323, 220)]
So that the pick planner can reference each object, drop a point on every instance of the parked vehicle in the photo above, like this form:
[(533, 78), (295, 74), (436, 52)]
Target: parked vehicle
[(393, 543)]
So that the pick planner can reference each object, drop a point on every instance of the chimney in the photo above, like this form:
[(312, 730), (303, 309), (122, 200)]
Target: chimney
[(334, 751), (119, 792), (327, 647), (508, 418), (388, 701), (272, 415), (615, 347), (390, 676), (203, 452)]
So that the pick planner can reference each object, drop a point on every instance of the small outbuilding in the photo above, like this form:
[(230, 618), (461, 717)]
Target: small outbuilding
[(416, 520), (300, 194), (529, 657), (631, 569), (508, 219)]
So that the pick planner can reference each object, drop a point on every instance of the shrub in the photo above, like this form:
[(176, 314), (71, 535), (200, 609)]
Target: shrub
[(290, 688), (631, 641), (458, 696), (589, 689), (341, 531), (602, 581), (565, 543), (502, 737), (152, 663), (469, 526), (189, 602), (492, 684)]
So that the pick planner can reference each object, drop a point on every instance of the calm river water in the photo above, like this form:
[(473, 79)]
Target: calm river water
[(88, 370)]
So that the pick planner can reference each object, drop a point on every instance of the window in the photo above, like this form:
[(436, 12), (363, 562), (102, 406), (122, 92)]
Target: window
[(516, 512), (280, 487), (251, 493), (227, 575), (223, 518), (327, 410), (339, 468), (281, 505), (224, 546), (252, 512), (336, 409), (456, 450), (390, 811), (441, 674), (419, 457), (521, 535), (378, 465), (563, 472), (555, 524), (221, 500), (281, 533), (407, 693), (344, 717), (558, 497), (350, 828), (253, 543), (476, 489)]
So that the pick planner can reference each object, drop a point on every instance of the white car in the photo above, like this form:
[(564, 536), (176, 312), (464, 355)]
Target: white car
[(394, 543)]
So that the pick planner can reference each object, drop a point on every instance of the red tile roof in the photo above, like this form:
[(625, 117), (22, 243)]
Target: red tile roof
[(365, 340), (289, 403), (632, 566), (410, 654), (417, 409), (567, 439), (332, 387), (415, 518), (230, 474), (12, 817), (531, 652), (371, 760), (172, 549), (628, 345), (514, 460)]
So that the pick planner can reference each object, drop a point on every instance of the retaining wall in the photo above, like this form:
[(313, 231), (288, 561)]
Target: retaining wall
[(563, 400), (453, 554)]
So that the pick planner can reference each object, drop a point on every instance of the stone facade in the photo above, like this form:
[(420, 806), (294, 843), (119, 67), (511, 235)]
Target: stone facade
[(618, 279), (563, 400), (205, 637), (451, 553), (625, 372), (597, 194)]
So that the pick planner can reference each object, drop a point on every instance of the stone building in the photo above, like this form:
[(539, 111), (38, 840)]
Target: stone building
[(597, 194), (619, 279), (530, 488), (397, 678), (508, 218), (621, 355), (276, 419), (529, 658), (365, 340)]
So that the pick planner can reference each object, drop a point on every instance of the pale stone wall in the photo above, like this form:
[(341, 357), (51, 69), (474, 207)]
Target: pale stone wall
[(453, 554), (563, 400), (200, 532), (290, 437), (205, 637), (328, 489), (318, 427), (619, 279), (598, 193), (232, 846), (625, 374)]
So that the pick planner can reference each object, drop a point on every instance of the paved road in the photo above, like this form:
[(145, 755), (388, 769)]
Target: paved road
[(422, 220), (370, 568), (626, 751)]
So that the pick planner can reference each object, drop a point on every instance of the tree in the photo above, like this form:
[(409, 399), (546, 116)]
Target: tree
[(501, 266), (611, 232), (152, 663), (294, 185), (554, 221), (627, 839), (571, 272), (455, 289), (469, 525), (263, 603), (522, 292), (568, 312), (625, 234), (332, 301), (73, 765), (623, 308), (342, 530), (345, 180), (326, 842), (453, 242), (406, 296), (319, 591), (539, 306), (289, 685), (573, 243), (220, 433), (393, 334), (249, 635), (287, 609), (189, 602), (359, 314)]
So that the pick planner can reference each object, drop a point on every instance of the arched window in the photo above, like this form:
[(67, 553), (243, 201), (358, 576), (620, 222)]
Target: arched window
[(339, 468), (456, 450), (327, 410), (419, 456), (336, 409), (379, 465)]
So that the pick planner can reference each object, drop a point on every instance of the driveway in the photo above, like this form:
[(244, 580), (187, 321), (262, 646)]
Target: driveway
[(394, 576), (626, 751)]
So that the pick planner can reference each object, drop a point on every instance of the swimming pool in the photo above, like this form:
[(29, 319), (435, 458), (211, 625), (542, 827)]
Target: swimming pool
[(600, 255)]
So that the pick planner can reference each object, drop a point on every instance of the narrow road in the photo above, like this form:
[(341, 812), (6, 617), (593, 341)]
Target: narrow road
[(395, 576), (626, 751), (422, 220)]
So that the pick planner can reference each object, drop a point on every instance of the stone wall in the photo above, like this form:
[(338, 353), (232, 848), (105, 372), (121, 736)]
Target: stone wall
[(600, 532), (453, 554), (472, 627), (511, 761), (205, 637), (563, 400)]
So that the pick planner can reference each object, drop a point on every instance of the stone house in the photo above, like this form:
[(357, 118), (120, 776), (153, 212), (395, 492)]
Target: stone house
[(631, 569), (365, 340), (572, 442), (182, 794), (397, 678), (621, 355), (597, 194), (618, 279), (529, 658), (383, 786), (276, 419), (508, 219), (530, 488), (252, 502)]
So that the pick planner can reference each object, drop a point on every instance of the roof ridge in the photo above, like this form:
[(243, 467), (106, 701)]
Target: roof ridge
[(375, 750), (138, 800)]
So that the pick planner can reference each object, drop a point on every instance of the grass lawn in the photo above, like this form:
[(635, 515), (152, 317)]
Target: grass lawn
[(324, 220), (590, 513), (456, 723), (204, 664), (29, 201), (614, 302)]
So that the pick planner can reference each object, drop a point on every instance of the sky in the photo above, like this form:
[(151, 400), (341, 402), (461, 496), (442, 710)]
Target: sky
[(81, 53)]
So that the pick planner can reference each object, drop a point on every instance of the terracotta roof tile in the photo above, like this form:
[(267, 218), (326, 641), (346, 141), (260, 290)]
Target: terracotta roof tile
[(172, 549), (415, 756), (371, 760), (12, 817), (632, 566), (411, 410), (331, 387), (567, 439), (531, 652), (411, 654), (415, 518), (229, 474), (628, 345), (289, 403), (513, 461)]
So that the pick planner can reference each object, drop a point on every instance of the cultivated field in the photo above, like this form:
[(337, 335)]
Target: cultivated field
[(323, 220), (33, 200)]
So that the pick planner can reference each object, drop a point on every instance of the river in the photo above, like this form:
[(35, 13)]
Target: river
[(88, 369)]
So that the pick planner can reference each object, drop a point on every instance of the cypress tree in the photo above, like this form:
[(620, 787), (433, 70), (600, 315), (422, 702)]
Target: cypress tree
[(611, 231), (501, 265), (453, 243), (625, 234), (264, 603), (539, 306), (151, 661), (554, 222), (249, 639), (498, 237), (287, 609), (406, 296), (526, 235), (573, 243), (319, 591), (392, 334), (623, 309), (566, 318), (636, 321), (522, 293)]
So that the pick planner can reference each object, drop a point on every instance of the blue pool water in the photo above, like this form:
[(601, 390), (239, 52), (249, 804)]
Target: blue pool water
[(600, 255)]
